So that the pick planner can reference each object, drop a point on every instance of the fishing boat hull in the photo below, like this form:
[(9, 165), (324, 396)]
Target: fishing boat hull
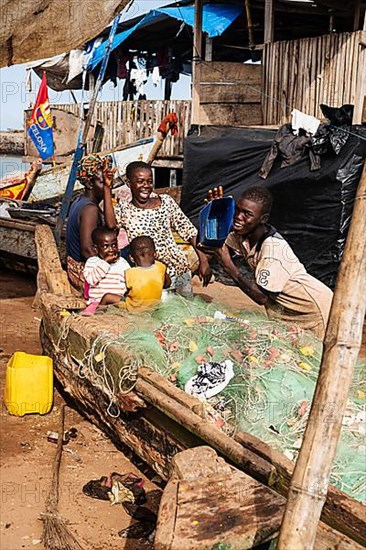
[(146, 421), (156, 419), (17, 246), (13, 188)]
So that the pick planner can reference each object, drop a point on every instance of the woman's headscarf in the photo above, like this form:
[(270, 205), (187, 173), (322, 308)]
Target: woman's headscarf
[(90, 165)]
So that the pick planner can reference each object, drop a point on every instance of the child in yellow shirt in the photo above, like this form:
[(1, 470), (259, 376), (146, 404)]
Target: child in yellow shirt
[(146, 281)]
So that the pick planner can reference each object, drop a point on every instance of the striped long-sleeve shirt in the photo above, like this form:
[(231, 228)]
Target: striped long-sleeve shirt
[(104, 278)]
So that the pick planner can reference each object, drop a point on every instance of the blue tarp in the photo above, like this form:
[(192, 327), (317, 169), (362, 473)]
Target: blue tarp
[(216, 18)]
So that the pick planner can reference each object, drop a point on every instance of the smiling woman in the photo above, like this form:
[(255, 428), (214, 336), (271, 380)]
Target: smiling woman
[(157, 217)]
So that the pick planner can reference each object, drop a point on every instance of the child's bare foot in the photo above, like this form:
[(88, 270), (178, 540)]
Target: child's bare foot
[(90, 309)]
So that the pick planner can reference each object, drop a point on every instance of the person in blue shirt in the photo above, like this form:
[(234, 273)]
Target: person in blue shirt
[(94, 173)]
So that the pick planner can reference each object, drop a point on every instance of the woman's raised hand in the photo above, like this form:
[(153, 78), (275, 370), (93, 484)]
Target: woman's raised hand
[(108, 173)]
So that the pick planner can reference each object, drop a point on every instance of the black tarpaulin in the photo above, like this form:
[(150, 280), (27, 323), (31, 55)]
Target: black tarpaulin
[(312, 210)]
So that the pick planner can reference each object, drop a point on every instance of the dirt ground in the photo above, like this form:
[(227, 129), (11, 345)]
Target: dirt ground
[(27, 456)]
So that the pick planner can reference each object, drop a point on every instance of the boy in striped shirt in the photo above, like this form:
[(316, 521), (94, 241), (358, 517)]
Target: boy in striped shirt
[(105, 272)]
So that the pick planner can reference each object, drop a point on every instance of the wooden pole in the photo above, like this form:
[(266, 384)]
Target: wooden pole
[(82, 137), (309, 484), (356, 19), (360, 95), (250, 24), (269, 21), (331, 23), (196, 62)]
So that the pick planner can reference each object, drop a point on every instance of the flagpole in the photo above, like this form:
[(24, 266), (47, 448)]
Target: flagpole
[(53, 158), (82, 137)]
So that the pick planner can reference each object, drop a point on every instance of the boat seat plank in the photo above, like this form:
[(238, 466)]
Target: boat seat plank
[(232, 509), (208, 502)]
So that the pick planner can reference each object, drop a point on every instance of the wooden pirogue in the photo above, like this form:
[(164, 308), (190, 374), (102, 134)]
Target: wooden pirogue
[(157, 420)]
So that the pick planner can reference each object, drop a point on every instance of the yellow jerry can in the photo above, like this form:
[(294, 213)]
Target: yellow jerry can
[(29, 384)]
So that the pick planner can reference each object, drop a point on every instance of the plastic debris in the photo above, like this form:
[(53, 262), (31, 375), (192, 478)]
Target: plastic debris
[(211, 379), (119, 493), (53, 437)]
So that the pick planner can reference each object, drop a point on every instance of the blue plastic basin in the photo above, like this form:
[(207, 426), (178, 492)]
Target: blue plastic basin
[(215, 221)]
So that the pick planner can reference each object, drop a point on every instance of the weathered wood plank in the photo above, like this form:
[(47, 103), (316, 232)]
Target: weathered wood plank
[(165, 531), (231, 509), (230, 83), (49, 263), (207, 502), (249, 114), (268, 21)]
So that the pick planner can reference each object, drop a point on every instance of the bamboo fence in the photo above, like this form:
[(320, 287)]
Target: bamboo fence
[(125, 122), (303, 73)]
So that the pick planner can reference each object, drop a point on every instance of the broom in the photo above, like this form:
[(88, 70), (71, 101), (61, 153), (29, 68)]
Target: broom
[(56, 535)]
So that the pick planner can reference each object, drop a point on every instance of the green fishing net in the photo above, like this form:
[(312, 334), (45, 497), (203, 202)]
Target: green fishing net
[(275, 366)]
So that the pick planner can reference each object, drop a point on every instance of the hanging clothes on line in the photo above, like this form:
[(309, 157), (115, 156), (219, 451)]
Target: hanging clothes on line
[(122, 70)]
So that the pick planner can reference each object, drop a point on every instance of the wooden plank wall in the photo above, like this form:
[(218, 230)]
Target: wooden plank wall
[(230, 94), (303, 73), (127, 121)]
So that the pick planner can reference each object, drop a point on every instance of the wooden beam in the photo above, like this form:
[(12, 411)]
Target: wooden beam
[(331, 23), (361, 78), (269, 21), (309, 484), (250, 24), (356, 20), (49, 266), (196, 61), (208, 48)]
